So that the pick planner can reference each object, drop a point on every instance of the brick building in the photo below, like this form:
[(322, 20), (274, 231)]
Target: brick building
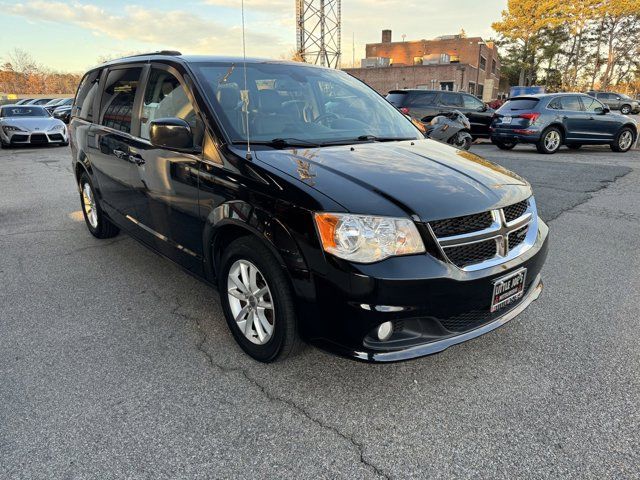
[(445, 63)]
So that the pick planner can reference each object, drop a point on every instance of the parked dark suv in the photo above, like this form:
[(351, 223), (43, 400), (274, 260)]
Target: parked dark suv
[(617, 101), (552, 120), (426, 104), (315, 207)]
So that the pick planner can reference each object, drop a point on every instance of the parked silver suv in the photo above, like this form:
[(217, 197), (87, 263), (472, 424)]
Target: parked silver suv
[(617, 101)]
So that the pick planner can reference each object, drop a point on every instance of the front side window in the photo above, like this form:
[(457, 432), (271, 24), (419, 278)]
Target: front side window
[(165, 97), (297, 102), (116, 105), (571, 103), (592, 105), (471, 102)]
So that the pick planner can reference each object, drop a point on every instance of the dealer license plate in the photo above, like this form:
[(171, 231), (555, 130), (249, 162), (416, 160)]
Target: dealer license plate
[(508, 289), (506, 120)]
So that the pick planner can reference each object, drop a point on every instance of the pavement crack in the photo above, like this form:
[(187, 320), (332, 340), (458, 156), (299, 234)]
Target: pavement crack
[(200, 346)]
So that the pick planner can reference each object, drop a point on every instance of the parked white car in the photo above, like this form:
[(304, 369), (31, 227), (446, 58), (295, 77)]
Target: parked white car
[(30, 125)]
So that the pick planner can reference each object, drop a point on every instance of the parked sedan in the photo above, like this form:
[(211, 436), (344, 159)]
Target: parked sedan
[(63, 113), (58, 102), (424, 105), (552, 120), (27, 124)]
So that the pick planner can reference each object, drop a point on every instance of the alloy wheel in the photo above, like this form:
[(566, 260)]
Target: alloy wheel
[(625, 110), (89, 205), (552, 140), (250, 302), (625, 140)]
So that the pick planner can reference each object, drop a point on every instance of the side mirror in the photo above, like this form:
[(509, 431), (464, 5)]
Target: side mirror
[(171, 133), (483, 108), (606, 109)]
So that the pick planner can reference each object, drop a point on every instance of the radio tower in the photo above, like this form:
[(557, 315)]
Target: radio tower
[(318, 31)]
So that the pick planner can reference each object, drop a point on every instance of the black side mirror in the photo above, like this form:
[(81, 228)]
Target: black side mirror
[(171, 133), (605, 110), (483, 108)]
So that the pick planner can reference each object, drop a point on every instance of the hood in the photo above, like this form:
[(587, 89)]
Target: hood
[(32, 123), (423, 178)]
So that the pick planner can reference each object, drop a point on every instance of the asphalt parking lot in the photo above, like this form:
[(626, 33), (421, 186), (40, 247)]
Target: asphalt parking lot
[(114, 363)]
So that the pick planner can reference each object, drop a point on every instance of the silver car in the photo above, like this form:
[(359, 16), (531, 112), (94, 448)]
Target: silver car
[(30, 125)]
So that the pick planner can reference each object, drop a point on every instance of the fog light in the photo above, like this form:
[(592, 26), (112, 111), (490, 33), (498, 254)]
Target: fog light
[(385, 330)]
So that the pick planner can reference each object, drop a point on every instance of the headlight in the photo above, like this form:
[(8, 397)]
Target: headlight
[(58, 127), (367, 239), (11, 128)]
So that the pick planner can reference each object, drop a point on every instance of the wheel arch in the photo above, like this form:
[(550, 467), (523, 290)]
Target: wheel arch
[(225, 224)]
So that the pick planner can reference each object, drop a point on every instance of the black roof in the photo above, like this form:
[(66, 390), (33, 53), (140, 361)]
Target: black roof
[(177, 56)]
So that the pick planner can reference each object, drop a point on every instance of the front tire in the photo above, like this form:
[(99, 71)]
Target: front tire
[(624, 140), (257, 301), (625, 109), (461, 140), (97, 222), (550, 141)]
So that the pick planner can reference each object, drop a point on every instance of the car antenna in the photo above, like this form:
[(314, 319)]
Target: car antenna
[(245, 92)]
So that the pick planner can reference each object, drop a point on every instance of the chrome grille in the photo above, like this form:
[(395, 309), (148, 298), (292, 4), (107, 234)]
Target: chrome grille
[(459, 225), (516, 210), (471, 253), (472, 243)]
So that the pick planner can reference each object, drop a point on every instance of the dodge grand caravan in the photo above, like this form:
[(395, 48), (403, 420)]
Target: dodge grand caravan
[(315, 207)]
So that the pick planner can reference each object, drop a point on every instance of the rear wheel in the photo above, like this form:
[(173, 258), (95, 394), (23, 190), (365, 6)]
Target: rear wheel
[(97, 222), (504, 145), (624, 140), (550, 141), (625, 109), (257, 301)]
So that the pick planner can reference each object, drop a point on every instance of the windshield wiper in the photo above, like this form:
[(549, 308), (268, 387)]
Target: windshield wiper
[(373, 138), (283, 143)]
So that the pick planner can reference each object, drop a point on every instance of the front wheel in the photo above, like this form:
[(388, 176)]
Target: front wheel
[(97, 222), (550, 141), (461, 140), (623, 141), (257, 301), (625, 109)]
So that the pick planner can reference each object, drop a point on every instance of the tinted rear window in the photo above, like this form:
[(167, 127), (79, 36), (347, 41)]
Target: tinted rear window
[(396, 98), (520, 104), (420, 99)]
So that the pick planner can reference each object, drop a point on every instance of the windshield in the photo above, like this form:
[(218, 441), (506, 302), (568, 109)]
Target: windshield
[(30, 111), (299, 103)]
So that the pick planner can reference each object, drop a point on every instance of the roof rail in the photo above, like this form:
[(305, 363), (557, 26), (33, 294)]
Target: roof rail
[(159, 52)]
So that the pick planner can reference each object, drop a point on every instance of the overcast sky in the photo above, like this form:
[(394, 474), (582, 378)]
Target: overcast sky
[(72, 35)]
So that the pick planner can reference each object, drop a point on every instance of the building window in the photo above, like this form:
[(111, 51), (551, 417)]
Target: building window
[(483, 63), (480, 91), (446, 86), (454, 58), (472, 87), (417, 60), (493, 67)]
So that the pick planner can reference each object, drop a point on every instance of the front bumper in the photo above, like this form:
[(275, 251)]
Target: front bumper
[(34, 138), (441, 305)]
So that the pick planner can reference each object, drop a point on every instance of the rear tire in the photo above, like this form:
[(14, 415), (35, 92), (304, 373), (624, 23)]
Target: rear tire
[(550, 141), (97, 222), (504, 145), (625, 109), (264, 325), (624, 140)]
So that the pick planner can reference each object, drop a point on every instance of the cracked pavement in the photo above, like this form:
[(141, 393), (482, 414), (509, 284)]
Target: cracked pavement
[(114, 363)]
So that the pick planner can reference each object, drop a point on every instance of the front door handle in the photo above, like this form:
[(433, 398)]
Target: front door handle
[(137, 159)]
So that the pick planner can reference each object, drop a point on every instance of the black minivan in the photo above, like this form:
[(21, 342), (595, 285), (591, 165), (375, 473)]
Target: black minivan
[(317, 209)]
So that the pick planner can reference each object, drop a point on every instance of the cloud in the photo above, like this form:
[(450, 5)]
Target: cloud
[(266, 5), (162, 29)]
